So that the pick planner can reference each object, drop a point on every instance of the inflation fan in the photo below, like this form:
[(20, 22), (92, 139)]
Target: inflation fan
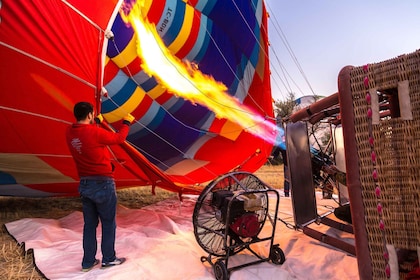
[(229, 217)]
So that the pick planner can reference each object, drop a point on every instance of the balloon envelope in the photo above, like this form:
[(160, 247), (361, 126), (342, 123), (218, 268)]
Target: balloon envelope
[(55, 54)]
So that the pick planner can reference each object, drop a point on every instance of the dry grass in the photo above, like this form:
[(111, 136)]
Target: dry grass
[(16, 263), (272, 175)]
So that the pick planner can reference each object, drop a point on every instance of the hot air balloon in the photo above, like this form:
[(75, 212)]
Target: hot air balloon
[(55, 53)]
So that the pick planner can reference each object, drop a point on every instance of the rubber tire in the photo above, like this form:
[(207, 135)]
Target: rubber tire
[(220, 270), (277, 255)]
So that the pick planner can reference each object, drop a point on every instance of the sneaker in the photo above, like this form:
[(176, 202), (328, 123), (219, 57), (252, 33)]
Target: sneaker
[(86, 269), (117, 261)]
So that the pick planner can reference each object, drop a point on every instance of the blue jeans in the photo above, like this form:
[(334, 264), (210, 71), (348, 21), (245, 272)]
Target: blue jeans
[(99, 201)]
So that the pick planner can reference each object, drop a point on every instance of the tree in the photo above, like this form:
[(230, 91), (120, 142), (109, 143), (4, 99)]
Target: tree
[(284, 108)]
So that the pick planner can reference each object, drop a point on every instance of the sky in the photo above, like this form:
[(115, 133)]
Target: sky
[(326, 35)]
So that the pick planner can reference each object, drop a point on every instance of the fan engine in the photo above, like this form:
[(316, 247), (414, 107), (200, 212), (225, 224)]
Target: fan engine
[(238, 211)]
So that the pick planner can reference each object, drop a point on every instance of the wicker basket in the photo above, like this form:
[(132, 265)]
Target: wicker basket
[(380, 107)]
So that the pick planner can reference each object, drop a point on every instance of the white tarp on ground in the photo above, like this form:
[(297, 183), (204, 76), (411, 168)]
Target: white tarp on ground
[(159, 243)]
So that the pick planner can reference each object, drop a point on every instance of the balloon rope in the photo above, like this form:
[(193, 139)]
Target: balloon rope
[(33, 114)]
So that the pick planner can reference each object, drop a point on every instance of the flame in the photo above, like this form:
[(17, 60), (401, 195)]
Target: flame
[(184, 79)]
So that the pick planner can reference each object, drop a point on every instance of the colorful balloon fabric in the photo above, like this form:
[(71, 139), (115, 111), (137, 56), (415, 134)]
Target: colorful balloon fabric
[(61, 52)]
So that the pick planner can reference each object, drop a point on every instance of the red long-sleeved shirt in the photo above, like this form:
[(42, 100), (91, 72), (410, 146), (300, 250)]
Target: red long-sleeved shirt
[(88, 146)]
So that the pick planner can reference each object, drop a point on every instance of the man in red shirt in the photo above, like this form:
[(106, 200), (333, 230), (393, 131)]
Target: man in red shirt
[(88, 145)]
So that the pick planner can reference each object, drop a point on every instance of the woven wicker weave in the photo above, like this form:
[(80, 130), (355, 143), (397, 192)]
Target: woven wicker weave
[(397, 148)]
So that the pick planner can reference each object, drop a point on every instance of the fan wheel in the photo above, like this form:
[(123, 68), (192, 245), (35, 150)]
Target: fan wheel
[(220, 270), (277, 255), (209, 229)]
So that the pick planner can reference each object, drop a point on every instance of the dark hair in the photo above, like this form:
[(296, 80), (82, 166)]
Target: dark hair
[(82, 109)]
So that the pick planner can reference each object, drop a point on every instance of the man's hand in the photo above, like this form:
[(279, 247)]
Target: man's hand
[(128, 119), (99, 118)]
